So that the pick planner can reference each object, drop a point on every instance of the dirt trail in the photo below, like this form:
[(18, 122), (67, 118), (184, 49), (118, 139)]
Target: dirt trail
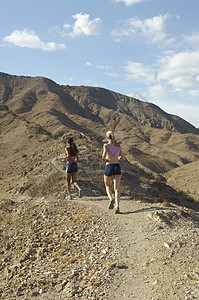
[(158, 250), (158, 247)]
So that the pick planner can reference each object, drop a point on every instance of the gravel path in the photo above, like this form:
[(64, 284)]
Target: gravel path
[(78, 249), (158, 251)]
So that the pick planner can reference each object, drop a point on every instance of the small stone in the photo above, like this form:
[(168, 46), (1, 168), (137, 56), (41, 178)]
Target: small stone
[(179, 244), (75, 273), (166, 245), (121, 265)]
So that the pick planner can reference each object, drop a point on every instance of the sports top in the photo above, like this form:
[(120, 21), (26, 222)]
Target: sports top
[(71, 153), (113, 150)]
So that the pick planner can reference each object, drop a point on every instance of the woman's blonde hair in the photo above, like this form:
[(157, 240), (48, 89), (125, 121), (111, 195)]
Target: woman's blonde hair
[(110, 135)]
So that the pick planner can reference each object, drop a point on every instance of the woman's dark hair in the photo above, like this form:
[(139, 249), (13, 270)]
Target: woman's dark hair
[(73, 147)]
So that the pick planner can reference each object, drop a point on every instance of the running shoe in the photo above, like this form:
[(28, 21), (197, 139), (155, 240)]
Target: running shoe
[(111, 204), (117, 210)]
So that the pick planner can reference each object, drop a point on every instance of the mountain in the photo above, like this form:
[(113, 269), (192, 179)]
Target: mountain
[(37, 114), (36, 97)]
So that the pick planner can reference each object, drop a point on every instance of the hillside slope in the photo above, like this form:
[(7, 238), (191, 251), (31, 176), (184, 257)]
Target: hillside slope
[(36, 113), (140, 126), (185, 178)]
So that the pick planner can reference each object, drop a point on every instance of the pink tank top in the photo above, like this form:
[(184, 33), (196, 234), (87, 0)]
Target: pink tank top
[(113, 150)]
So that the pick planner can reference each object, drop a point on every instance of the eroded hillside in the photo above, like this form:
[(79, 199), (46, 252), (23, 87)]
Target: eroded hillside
[(37, 115), (56, 248)]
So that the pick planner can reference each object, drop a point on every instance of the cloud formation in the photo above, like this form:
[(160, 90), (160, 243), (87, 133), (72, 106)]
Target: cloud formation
[(138, 72), (191, 40), (173, 74), (157, 92), (130, 2), (181, 71), (153, 30), (104, 67), (88, 64), (84, 26), (28, 39)]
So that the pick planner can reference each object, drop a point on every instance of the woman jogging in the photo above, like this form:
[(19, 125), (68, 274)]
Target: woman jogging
[(111, 154), (71, 154)]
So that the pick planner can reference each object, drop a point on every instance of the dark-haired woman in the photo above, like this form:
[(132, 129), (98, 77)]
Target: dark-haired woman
[(111, 154), (71, 154)]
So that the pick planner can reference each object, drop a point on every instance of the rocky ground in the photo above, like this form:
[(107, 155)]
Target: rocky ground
[(54, 249), (78, 249)]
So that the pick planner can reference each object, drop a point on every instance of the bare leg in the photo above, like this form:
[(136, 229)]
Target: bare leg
[(107, 181), (116, 180), (74, 180), (68, 186)]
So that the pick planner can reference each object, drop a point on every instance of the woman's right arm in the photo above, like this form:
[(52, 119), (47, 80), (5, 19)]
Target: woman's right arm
[(67, 154), (104, 152)]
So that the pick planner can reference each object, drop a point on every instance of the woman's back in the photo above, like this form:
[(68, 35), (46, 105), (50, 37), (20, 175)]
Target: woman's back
[(112, 153), (113, 150)]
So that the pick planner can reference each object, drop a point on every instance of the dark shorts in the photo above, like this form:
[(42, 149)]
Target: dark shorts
[(112, 169), (71, 167)]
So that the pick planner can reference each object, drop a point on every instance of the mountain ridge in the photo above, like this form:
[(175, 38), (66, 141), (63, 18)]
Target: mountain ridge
[(151, 139), (76, 99)]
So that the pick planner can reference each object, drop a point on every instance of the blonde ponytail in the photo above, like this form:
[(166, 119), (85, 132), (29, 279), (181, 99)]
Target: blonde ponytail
[(110, 135)]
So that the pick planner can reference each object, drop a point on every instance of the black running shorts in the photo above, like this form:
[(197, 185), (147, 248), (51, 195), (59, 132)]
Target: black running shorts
[(112, 169), (71, 167)]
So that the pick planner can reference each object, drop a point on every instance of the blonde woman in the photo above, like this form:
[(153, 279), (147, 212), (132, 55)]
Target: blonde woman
[(111, 154)]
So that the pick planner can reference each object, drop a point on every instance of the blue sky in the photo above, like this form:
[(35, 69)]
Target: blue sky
[(148, 49)]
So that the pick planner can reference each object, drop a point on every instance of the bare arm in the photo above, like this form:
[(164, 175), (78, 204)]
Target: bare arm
[(121, 155), (104, 152)]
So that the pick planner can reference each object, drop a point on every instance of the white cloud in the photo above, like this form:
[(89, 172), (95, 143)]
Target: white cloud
[(28, 38), (194, 93), (153, 30), (84, 26), (138, 72), (130, 2), (156, 92), (182, 82), (191, 40), (104, 67), (88, 64), (181, 71), (111, 74), (174, 75)]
